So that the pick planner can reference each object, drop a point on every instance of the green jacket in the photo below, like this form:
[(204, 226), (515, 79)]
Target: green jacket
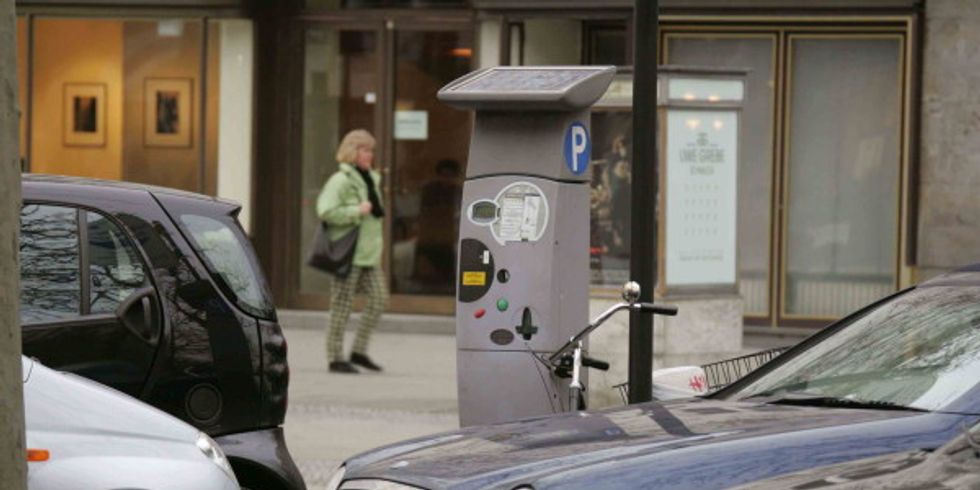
[(339, 204)]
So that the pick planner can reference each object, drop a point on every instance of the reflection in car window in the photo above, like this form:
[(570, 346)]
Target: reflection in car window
[(115, 269), (50, 287), (921, 349), (227, 254)]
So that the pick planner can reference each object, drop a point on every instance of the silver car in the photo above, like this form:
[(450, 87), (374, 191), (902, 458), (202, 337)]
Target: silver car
[(81, 434)]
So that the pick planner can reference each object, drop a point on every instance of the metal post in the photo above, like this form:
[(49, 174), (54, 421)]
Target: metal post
[(643, 202), (13, 458)]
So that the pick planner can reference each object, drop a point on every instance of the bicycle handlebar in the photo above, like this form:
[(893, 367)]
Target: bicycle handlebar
[(595, 363), (666, 310)]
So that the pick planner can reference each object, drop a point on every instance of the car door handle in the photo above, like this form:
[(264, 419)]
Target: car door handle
[(136, 314)]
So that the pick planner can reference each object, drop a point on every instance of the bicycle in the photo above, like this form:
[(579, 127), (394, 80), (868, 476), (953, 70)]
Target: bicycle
[(567, 361)]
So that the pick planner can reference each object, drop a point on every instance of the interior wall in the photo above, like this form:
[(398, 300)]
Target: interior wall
[(148, 54), (235, 135), (76, 51)]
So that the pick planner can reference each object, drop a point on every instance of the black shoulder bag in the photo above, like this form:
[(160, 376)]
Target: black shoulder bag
[(334, 257)]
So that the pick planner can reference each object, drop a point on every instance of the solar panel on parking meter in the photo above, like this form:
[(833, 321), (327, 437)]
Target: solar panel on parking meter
[(523, 277)]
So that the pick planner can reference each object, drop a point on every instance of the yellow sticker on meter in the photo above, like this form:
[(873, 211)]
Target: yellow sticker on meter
[(474, 278)]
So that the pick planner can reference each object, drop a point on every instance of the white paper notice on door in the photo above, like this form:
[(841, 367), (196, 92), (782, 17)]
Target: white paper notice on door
[(411, 125)]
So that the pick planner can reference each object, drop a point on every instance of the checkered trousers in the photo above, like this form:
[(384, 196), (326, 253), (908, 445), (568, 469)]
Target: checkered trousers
[(369, 281)]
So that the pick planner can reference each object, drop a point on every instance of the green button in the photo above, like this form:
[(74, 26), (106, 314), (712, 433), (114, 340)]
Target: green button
[(502, 304)]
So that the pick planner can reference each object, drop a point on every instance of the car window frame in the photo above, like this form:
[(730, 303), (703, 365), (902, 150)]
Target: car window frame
[(84, 313)]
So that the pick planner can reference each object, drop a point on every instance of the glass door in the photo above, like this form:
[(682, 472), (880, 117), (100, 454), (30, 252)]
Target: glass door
[(380, 76), (342, 90), (429, 142)]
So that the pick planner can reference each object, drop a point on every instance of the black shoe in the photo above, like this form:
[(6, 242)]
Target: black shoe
[(363, 361), (342, 367)]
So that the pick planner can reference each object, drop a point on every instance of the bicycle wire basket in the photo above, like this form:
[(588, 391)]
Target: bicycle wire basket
[(723, 373)]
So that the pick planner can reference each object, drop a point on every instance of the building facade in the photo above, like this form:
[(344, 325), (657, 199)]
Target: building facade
[(858, 170)]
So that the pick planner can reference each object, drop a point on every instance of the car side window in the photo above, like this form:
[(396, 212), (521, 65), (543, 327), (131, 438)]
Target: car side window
[(50, 277), (227, 254), (115, 268)]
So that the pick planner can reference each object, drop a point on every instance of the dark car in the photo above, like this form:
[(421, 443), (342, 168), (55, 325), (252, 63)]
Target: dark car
[(953, 466), (157, 293), (900, 375)]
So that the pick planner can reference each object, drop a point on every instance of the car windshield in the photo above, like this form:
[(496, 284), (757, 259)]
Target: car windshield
[(920, 350)]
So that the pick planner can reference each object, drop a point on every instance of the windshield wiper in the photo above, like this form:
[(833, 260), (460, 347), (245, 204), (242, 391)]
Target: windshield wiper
[(811, 400)]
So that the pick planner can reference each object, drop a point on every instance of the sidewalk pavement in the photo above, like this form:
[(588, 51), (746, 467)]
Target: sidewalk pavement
[(334, 416)]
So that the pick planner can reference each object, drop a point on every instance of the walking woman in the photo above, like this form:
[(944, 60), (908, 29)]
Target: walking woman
[(352, 198)]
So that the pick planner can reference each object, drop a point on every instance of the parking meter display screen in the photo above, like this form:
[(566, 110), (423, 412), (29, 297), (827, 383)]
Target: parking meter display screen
[(524, 80), (484, 211)]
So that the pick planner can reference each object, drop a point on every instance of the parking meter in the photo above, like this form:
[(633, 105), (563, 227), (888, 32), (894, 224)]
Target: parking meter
[(523, 271)]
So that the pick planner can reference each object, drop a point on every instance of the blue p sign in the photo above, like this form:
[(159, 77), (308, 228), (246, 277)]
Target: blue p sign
[(578, 148)]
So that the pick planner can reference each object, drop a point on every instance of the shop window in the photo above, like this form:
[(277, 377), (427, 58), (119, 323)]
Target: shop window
[(843, 163), (609, 238), (838, 166), (755, 52), (138, 100)]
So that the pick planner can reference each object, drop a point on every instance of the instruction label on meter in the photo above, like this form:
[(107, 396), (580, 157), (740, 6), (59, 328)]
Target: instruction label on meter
[(520, 214), (474, 278)]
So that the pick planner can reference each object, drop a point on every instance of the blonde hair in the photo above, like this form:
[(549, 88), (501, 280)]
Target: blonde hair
[(358, 138)]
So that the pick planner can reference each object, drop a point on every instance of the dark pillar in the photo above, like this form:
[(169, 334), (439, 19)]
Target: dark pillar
[(644, 193), (278, 141)]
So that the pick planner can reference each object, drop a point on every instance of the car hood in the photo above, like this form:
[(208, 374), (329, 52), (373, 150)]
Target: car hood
[(66, 404), (686, 443)]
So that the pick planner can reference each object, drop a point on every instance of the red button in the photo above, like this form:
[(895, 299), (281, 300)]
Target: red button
[(479, 313)]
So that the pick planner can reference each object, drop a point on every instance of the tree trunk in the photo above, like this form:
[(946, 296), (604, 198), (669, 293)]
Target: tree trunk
[(13, 461)]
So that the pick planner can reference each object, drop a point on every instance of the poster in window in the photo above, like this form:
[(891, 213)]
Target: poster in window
[(610, 196), (702, 171), (168, 114), (84, 114)]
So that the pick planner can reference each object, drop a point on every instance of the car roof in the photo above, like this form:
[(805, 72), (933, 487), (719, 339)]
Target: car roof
[(83, 182), (964, 276)]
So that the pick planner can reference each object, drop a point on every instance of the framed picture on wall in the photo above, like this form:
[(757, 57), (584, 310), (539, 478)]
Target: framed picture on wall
[(84, 114), (168, 118)]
